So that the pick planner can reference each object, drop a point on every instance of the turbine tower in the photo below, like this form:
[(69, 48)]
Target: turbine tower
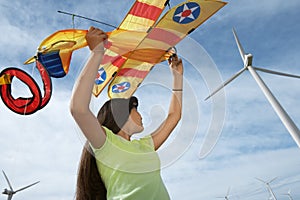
[(284, 117), (272, 195), (10, 192)]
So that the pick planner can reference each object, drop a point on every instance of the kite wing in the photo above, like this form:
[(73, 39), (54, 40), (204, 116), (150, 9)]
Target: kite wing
[(55, 51), (175, 25), (143, 15), (130, 33)]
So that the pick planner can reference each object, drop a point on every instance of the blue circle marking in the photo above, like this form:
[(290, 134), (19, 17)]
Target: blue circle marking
[(187, 13), (100, 77), (120, 87)]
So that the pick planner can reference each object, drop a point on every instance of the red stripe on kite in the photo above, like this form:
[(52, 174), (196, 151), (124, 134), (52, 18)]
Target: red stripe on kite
[(133, 73), (117, 61), (108, 59), (145, 11), (164, 36)]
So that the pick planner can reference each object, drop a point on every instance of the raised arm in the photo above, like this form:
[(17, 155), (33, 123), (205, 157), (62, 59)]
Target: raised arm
[(81, 96), (174, 115)]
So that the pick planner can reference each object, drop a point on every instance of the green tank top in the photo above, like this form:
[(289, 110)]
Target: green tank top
[(130, 170)]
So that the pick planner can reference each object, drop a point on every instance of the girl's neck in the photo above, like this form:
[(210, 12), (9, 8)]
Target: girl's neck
[(124, 135)]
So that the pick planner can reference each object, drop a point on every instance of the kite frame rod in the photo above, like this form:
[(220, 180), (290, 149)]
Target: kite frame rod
[(79, 16)]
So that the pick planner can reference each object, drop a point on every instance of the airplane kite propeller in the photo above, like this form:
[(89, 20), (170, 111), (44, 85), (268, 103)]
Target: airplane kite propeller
[(140, 42)]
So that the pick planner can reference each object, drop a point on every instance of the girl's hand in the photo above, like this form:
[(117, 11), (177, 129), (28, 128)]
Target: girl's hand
[(176, 64), (95, 38)]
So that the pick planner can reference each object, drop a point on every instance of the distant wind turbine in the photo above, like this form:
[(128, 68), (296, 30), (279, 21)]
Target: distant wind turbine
[(289, 195), (270, 198), (10, 192), (247, 58), (227, 195), (272, 195)]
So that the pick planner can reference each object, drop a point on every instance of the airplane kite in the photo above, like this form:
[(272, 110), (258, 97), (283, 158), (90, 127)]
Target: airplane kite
[(132, 50), (139, 42)]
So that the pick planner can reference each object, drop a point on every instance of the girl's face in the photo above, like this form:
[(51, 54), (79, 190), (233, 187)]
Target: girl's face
[(134, 122)]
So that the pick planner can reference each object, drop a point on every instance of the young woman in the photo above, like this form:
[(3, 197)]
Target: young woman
[(113, 166)]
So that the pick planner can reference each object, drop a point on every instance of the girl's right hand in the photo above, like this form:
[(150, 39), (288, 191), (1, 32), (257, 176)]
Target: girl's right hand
[(95, 38)]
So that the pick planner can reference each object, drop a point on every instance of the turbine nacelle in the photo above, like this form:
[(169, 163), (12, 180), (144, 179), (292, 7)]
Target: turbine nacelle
[(248, 60), (6, 191)]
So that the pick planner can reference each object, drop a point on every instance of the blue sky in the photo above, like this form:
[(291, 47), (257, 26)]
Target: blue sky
[(250, 139)]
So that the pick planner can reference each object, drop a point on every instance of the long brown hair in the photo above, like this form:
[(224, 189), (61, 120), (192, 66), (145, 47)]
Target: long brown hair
[(113, 115), (89, 183)]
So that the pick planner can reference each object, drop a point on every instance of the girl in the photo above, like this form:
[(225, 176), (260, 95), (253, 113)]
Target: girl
[(112, 166)]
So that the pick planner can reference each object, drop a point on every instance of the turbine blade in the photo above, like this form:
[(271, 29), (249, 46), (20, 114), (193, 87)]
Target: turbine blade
[(238, 43), (7, 181), (26, 187), (276, 73), (273, 179), (226, 83), (228, 191), (260, 180)]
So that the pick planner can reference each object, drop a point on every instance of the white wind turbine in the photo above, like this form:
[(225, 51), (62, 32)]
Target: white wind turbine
[(272, 195), (270, 198), (227, 195), (10, 192), (289, 195), (247, 58)]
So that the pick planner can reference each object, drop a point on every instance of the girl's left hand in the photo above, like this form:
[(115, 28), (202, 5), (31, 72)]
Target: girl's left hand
[(176, 64)]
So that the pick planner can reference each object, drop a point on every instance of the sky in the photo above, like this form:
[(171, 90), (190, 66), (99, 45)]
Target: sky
[(222, 144)]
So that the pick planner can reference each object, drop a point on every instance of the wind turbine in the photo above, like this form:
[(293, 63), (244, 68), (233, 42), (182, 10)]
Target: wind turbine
[(227, 195), (284, 117), (289, 195), (10, 192), (272, 195), (270, 198)]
